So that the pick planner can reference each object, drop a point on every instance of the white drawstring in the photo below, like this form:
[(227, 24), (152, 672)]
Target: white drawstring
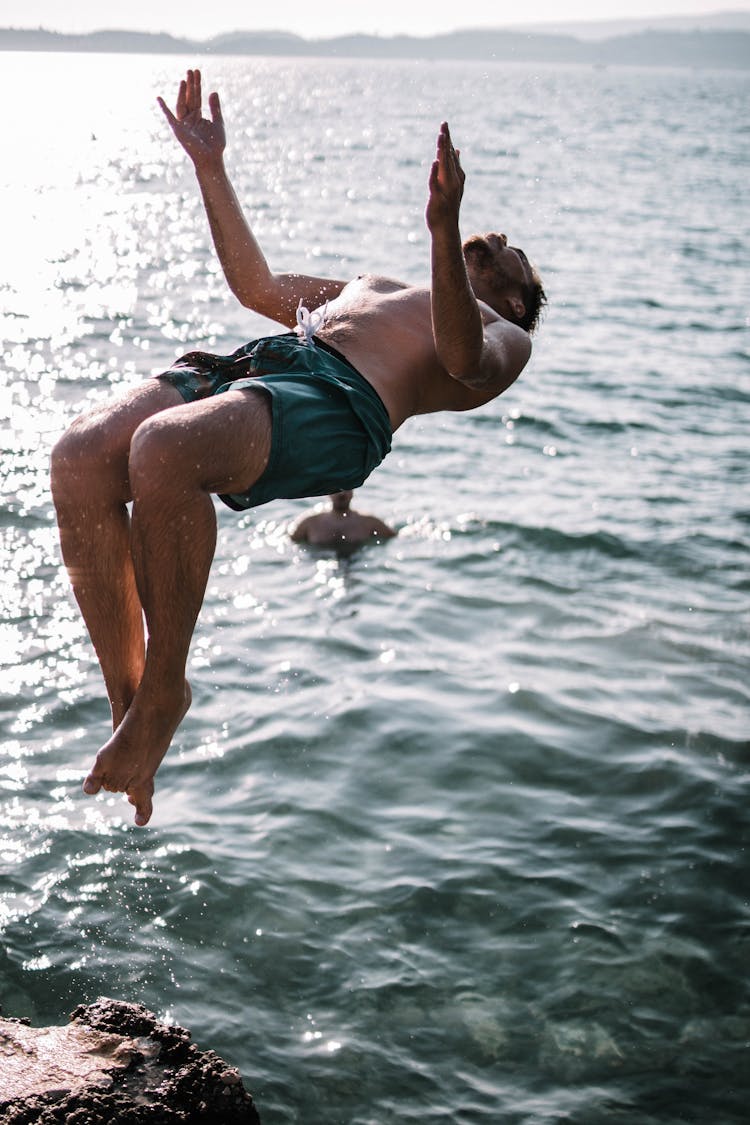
[(308, 322)]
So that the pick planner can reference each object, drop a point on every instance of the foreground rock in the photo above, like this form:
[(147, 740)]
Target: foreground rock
[(115, 1064)]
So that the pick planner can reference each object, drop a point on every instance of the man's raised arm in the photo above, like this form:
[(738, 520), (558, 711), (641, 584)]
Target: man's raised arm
[(484, 351), (245, 267)]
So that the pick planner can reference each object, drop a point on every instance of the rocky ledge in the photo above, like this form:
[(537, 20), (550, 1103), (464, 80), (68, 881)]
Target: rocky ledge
[(115, 1064)]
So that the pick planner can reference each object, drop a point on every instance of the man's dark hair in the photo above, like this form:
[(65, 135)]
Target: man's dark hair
[(534, 299)]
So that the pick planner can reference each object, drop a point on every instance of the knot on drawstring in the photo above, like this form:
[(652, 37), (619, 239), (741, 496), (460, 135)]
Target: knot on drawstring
[(308, 322)]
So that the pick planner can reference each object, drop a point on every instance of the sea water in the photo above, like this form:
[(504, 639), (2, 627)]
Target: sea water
[(456, 829)]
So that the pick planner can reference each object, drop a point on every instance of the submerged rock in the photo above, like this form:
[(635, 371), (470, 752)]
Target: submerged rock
[(115, 1064)]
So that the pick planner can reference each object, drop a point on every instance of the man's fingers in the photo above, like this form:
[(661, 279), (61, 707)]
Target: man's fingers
[(445, 144), (167, 112), (189, 101), (215, 106), (193, 99), (182, 99)]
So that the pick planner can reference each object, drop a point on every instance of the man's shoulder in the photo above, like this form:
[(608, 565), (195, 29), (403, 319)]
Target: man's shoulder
[(372, 527), (301, 530), (379, 283)]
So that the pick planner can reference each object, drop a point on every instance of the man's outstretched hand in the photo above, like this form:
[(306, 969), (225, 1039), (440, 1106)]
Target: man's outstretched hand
[(203, 140), (446, 183)]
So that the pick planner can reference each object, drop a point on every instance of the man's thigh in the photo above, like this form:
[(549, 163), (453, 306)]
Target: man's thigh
[(218, 444)]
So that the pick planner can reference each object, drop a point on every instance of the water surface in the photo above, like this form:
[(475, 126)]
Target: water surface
[(456, 829)]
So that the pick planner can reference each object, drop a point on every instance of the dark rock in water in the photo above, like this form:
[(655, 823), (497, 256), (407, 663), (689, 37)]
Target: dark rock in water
[(115, 1064)]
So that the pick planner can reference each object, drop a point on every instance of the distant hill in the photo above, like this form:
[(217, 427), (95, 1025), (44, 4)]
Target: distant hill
[(609, 29), (707, 46)]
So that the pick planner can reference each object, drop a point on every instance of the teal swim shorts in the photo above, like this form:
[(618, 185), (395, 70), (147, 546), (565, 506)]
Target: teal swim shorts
[(330, 428)]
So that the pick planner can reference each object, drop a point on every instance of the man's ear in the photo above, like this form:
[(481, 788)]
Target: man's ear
[(513, 308)]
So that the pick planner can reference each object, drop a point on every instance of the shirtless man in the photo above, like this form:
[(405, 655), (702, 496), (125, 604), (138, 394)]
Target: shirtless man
[(291, 415), (342, 527)]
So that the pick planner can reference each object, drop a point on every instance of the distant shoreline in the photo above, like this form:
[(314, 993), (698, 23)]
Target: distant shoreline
[(708, 47)]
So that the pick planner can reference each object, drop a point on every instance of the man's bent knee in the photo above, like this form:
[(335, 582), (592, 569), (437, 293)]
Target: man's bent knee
[(72, 459), (93, 452), (84, 463)]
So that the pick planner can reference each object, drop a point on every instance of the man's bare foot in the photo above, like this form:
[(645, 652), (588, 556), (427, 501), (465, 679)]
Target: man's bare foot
[(129, 761)]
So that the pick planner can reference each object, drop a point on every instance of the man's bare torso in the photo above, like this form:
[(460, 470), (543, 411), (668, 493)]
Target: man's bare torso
[(384, 328)]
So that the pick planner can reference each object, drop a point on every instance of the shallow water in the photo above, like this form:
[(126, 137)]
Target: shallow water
[(456, 829)]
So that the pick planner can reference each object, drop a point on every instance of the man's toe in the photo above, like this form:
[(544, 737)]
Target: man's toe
[(92, 784), (143, 806)]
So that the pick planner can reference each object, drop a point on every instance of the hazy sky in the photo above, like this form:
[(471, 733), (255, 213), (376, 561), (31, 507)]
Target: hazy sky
[(326, 17)]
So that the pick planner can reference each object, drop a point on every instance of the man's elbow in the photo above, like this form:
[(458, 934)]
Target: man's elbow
[(264, 299), (466, 365), (494, 376)]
